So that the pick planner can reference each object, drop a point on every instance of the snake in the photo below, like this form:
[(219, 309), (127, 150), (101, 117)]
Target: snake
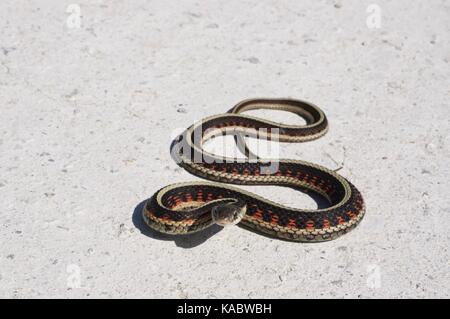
[(189, 207)]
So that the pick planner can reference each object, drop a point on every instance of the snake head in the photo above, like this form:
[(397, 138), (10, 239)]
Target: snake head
[(228, 213)]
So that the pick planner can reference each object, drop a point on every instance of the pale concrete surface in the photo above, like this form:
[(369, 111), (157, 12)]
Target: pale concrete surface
[(86, 115)]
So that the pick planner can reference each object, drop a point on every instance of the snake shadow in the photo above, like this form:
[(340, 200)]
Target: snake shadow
[(183, 241)]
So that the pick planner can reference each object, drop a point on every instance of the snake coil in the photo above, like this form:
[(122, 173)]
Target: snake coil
[(184, 208)]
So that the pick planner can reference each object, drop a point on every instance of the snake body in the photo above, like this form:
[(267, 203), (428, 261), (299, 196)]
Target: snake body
[(184, 208)]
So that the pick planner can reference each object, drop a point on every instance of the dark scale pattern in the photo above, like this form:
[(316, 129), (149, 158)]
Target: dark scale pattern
[(262, 210), (306, 174), (267, 217), (318, 223), (283, 220), (266, 212)]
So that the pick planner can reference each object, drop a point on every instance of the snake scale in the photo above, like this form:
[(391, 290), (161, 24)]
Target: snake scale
[(184, 208)]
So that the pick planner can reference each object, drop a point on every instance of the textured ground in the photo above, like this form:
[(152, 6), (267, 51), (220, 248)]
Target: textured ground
[(88, 110)]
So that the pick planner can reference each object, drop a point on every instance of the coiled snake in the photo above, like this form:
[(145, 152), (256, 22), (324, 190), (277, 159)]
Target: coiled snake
[(184, 208)]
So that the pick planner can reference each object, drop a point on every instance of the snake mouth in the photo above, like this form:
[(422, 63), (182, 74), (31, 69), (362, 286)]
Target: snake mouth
[(228, 214)]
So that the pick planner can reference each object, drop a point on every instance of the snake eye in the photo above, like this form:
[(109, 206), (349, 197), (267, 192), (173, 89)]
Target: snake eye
[(227, 214)]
